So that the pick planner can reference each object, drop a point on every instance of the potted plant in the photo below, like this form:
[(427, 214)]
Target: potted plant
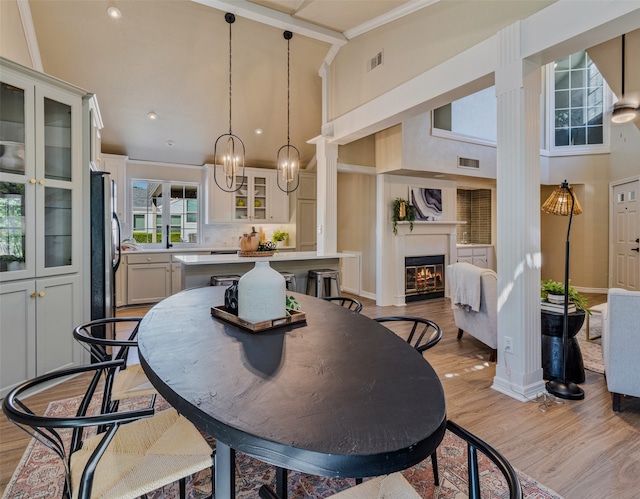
[(555, 290), (279, 236), (402, 211), (10, 262)]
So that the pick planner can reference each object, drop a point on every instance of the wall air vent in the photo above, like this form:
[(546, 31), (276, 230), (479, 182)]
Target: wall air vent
[(468, 163), (374, 62)]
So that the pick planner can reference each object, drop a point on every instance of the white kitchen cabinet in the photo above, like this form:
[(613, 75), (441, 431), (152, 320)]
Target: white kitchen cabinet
[(117, 166), (41, 185), (258, 200), (219, 202), (38, 317), (306, 213), (279, 202), (480, 256), (148, 278), (121, 283), (252, 202)]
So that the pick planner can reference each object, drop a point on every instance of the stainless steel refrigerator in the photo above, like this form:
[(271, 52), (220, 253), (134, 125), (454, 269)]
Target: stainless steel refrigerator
[(105, 249)]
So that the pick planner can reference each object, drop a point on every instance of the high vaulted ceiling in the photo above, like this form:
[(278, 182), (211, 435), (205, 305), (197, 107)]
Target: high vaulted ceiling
[(171, 57)]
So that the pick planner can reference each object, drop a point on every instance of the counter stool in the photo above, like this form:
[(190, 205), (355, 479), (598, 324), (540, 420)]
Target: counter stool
[(223, 280), (290, 280), (319, 281)]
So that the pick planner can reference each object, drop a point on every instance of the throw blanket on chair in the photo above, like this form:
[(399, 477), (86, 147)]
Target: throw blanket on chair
[(465, 285)]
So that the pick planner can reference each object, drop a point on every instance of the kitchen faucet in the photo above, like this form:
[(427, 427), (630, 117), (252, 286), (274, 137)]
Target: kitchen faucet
[(169, 245)]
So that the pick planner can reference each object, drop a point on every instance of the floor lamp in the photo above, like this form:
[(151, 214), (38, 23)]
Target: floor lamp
[(563, 202)]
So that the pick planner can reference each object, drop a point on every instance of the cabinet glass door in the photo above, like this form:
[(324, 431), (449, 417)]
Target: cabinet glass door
[(57, 140), (12, 226), (57, 227), (242, 199), (259, 198), (12, 129)]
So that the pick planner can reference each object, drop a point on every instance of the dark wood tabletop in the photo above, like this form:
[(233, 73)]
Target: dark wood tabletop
[(341, 396)]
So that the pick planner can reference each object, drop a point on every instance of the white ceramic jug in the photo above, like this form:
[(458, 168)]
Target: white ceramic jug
[(261, 294)]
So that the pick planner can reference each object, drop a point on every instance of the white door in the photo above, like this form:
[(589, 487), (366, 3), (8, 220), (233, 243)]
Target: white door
[(626, 236)]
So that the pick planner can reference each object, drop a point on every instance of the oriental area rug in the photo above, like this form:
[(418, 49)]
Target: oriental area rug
[(40, 473), (592, 350)]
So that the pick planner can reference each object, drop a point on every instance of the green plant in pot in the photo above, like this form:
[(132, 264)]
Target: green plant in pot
[(551, 287), (402, 211), (279, 235)]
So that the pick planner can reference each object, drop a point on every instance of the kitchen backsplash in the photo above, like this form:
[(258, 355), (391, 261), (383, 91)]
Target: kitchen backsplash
[(228, 235)]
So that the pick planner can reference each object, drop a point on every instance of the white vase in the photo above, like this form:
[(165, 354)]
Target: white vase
[(261, 294)]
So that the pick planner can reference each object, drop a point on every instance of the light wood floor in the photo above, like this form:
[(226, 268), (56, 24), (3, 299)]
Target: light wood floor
[(580, 449)]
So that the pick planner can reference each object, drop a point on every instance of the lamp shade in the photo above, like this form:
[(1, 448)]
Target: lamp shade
[(559, 202)]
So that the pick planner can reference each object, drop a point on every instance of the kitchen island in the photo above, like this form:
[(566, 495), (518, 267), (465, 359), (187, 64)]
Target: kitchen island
[(198, 269)]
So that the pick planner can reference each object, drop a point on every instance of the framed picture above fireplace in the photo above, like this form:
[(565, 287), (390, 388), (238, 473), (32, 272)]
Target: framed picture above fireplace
[(427, 203)]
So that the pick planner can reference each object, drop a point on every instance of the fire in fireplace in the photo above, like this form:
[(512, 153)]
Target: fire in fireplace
[(424, 277)]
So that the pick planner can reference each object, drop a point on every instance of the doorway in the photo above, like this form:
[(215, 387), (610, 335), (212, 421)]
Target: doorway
[(625, 235)]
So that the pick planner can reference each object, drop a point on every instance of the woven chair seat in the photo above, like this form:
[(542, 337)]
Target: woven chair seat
[(143, 456), (393, 486), (131, 382)]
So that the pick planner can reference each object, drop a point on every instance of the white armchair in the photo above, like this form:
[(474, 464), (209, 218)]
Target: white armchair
[(480, 320), (621, 344)]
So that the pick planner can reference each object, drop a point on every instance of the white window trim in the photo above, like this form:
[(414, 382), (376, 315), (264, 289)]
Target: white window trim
[(552, 150), (460, 137), (166, 194)]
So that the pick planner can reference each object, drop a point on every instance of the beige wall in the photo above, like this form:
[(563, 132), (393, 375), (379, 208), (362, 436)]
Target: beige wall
[(359, 152), (357, 222), (415, 43), (423, 152), (13, 44), (625, 152)]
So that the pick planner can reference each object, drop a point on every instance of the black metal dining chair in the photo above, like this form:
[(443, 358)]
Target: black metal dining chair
[(139, 450), (126, 381), (350, 303), (423, 334), (402, 488)]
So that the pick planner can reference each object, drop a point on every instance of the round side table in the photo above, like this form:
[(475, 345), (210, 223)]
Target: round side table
[(552, 351)]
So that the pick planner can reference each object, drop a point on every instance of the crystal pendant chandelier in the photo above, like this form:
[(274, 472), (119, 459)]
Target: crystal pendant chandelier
[(288, 155), (228, 151)]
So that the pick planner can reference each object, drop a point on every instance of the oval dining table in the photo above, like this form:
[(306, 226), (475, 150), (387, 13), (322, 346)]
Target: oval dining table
[(337, 396)]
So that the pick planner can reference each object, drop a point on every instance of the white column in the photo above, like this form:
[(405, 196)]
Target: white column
[(518, 373), (327, 196)]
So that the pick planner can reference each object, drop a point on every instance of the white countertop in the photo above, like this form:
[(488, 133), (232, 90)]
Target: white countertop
[(189, 249), (285, 256)]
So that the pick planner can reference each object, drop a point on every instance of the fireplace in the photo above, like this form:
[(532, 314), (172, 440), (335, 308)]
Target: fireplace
[(424, 277)]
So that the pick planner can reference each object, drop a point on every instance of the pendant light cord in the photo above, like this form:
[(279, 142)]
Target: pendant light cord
[(288, 90), (229, 78)]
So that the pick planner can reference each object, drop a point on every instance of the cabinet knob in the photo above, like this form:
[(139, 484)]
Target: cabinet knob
[(148, 259), (32, 181), (34, 294), (41, 182), (41, 294)]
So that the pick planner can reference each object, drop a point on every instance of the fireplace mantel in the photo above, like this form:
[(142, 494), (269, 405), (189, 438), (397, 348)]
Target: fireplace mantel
[(426, 238)]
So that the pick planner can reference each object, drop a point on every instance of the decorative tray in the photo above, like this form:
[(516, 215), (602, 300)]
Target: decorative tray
[(294, 317), (256, 253)]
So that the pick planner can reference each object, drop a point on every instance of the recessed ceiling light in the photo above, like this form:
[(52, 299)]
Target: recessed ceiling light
[(258, 131), (114, 12), (170, 143), (152, 115)]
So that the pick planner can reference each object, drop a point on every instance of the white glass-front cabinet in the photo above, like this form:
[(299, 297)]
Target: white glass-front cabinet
[(252, 202), (41, 178), (258, 200)]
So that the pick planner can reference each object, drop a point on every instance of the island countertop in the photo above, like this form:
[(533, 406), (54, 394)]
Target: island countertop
[(197, 270), (284, 256)]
